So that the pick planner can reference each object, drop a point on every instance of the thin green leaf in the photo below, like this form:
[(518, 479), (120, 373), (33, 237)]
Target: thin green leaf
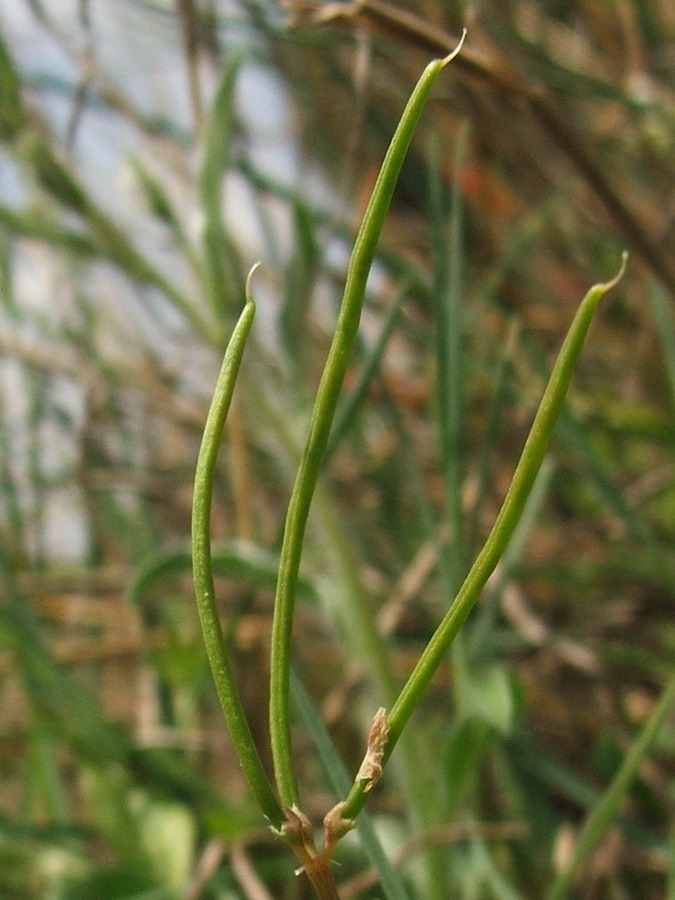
[(236, 559), (302, 271), (44, 228), (224, 280), (448, 266), (499, 383), (605, 811), (12, 114), (347, 409), (109, 239)]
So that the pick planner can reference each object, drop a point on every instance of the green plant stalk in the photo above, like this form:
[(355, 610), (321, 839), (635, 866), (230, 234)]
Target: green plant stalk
[(601, 817), (202, 568), (496, 543), (320, 425)]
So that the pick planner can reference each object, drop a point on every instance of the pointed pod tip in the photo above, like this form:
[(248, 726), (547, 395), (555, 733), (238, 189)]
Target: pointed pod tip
[(254, 268), (456, 51), (619, 275)]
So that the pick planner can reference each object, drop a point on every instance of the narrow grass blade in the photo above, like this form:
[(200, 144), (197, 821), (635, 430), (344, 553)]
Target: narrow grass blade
[(224, 280), (353, 400), (108, 238), (12, 114), (45, 773), (15, 541), (602, 816), (58, 703), (42, 227), (492, 430), (7, 298), (665, 324), (36, 383), (447, 238), (302, 270), (448, 265), (236, 559), (160, 205)]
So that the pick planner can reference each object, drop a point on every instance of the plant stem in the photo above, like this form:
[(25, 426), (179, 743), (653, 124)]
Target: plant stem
[(216, 650), (320, 425), (320, 873)]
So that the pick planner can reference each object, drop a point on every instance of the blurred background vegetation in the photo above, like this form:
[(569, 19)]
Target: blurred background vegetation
[(151, 152)]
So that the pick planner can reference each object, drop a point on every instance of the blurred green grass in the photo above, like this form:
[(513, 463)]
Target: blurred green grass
[(111, 327)]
